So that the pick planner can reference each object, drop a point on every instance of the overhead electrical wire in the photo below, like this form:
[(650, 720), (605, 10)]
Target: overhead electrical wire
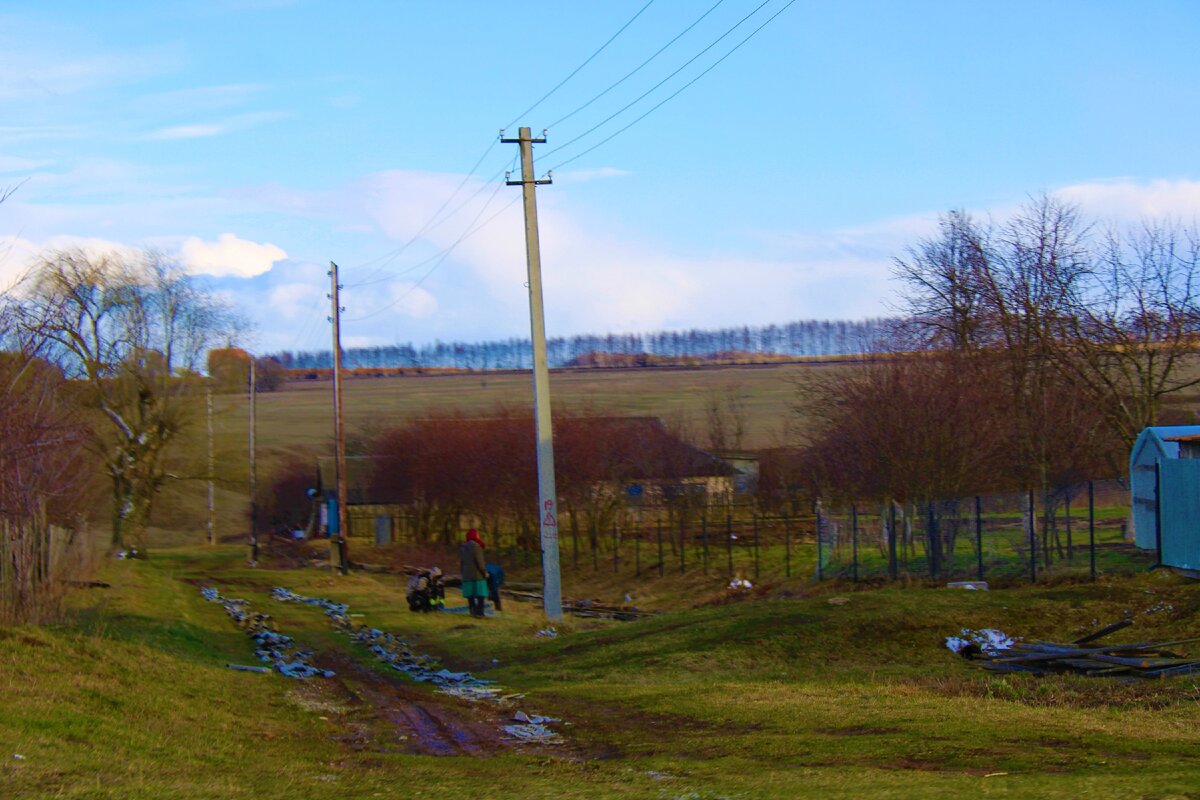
[(381, 262), (429, 227), (586, 61), (434, 220), (638, 68), (677, 91), (438, 217), (680, 69), (431, 223), (441, 256)]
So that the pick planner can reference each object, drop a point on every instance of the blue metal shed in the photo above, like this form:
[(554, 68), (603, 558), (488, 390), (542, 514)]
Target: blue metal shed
[(1151, 447)]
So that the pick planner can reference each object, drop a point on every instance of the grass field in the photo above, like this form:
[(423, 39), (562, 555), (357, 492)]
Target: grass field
[(301, 414), (298, 419), (786, 696)]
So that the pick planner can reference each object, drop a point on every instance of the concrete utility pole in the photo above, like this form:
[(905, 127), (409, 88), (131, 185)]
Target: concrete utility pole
[(212, 514), (337, 543), (253, 474), (547, 499)]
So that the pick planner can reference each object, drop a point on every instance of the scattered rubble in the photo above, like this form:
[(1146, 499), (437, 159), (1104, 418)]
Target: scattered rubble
[(281, 652), (529, 727), (399, 655)]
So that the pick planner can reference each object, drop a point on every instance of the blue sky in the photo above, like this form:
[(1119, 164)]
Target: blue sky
[(256, 140)]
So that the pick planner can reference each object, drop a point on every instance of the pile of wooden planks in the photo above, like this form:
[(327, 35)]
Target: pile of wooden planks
[(1086, 657)]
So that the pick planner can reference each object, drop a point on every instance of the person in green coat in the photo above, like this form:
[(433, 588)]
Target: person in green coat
[(474, 572)]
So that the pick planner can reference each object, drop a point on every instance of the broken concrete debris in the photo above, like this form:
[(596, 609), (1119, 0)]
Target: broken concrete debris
[(399, 655), (280, 651), (985, 640), (245, 668)]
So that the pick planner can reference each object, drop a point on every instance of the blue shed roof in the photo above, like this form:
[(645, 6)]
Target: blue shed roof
[(1156, 435)]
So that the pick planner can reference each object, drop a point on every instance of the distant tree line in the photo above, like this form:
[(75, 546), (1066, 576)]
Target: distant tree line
[(803, 338)]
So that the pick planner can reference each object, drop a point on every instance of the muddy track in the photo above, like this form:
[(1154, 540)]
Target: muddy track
[(390, 717)]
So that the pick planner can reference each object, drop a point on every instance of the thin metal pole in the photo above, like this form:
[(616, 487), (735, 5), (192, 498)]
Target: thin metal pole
[(253, 468), (787, 545), (979, 536), (1070, 545), (893, 567), (729, 541), (1032, 542), (1092, 526), (337, 544), (682, 543), (754, 516), (931, 536), (212, 513), (658, 534), (616, 545), (854, 541), (820, 566), (547, 497)]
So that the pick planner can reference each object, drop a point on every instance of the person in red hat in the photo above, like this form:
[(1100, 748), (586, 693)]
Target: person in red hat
[(474, 572)]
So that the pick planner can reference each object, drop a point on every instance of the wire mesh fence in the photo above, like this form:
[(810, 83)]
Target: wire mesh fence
[(1077, 531)]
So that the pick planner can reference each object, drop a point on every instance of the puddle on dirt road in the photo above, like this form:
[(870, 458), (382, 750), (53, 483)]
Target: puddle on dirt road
[(433, 725)]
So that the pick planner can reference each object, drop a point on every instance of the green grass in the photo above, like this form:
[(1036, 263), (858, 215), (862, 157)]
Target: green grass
[(780, 697)]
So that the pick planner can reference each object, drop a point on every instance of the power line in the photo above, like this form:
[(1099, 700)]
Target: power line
[(381, 277), (587, 61), (471, 230), (674, 94), (638, 68), (653, 88), (430, 223)]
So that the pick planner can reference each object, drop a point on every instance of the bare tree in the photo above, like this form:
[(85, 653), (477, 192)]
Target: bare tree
[(132, 331), (725, 415), (1131, 342)]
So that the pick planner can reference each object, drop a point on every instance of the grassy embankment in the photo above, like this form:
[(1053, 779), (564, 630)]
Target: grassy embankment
[(791, 696)]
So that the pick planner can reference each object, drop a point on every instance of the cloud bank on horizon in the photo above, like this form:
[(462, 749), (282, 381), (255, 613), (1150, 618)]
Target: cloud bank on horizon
[(596, 279), (165, 127)]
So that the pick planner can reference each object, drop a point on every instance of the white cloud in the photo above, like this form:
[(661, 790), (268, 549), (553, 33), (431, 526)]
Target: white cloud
[(1127, 200), (17, 254), (10, 164), (586, 175), (202, 98), (392, 299), (229, 255), (240, 122), (295, 300), (185, 132)]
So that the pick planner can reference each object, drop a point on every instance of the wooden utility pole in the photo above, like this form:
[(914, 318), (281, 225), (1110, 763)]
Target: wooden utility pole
[(253, 474), (212, 514), (547, 499), (338, 555)]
